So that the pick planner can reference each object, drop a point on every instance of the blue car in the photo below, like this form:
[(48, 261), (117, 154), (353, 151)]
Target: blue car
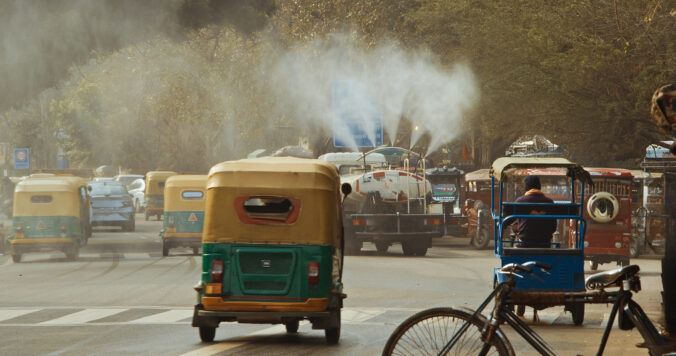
[(111, 205)]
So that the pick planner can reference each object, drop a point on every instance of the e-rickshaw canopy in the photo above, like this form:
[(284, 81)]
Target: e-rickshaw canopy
[(502, 165), (312, 185), (49, 196), (177, 191)]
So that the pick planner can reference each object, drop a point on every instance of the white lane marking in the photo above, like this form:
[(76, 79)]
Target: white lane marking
[(358, 315), (83, 316), (169, 316), (237, 342), (13, 313)]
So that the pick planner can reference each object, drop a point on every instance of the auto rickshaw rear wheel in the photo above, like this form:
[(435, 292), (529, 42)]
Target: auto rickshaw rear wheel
[(332, 333), (292, 327), (72, 252), (207, 334), (382, 246)]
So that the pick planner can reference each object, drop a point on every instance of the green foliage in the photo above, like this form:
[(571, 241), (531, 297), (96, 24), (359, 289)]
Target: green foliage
[(580, 73)]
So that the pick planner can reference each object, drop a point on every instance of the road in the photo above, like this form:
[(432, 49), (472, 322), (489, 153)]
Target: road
[(123, 297)]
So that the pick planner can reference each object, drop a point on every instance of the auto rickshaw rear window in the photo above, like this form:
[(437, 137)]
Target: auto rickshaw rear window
[(192, 195), (160, 184), (42, 199), (266, 209)]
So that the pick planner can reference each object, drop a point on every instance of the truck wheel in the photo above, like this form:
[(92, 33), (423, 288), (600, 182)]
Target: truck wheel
[(420, 250), (16, 258), (480, 240), (352, 247), (165, 249), (382, 246), (408, 247), (291, 327), (146, 215), (196, 251), (207, 334)]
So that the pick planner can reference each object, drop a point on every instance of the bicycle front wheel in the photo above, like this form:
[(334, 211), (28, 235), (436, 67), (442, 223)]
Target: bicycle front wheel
[(428, 331)]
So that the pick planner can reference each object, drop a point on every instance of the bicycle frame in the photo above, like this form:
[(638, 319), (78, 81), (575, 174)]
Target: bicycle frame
[(502, 313)]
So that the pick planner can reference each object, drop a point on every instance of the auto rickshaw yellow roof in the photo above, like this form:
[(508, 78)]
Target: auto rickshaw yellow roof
[(160, 174), (481, 174), (187, 180), (501, 165), (52, 184), (249, 168)]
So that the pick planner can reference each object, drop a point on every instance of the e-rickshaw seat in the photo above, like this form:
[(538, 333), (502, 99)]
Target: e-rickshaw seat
[(611, 277), (511, 251), (546, 208)]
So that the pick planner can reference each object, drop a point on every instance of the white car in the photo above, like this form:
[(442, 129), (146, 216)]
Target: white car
[(137, 190)]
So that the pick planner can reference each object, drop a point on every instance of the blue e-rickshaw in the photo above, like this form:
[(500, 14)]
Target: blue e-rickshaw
[(541, 290)]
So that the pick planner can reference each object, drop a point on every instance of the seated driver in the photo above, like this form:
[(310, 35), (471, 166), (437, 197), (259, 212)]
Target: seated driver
[(535, 233)]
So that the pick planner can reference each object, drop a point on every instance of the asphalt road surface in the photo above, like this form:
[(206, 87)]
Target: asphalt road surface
[(123, 297)]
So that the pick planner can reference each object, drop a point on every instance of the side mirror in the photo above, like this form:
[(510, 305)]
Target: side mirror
[(346, 189), (89, 188)]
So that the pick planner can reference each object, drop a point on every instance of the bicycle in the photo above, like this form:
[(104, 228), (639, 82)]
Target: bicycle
[(438, 331)]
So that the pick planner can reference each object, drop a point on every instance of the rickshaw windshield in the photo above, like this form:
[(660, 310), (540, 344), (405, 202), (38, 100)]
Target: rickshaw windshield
[(554, 182), (107, 189)]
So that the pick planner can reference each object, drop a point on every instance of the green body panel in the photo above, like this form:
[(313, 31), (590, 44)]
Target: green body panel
[(156, 201), (182, 223), (51, 226), (246, 274)]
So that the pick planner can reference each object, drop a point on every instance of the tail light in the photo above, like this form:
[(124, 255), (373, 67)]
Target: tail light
[(313, 273), (63, 228), (359, 222), (432, 222), (217, 271)]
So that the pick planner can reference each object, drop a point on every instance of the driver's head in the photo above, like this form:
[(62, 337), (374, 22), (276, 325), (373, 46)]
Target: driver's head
[(532, 182)]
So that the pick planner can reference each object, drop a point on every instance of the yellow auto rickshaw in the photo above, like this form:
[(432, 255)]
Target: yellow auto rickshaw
[(50, 213), (272, 246), (154, 194), (184, 199)]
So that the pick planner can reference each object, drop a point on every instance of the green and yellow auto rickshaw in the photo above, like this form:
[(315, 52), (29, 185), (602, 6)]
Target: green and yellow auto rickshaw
[(184, 199), (272, 246), (155, 192), (50, 213)]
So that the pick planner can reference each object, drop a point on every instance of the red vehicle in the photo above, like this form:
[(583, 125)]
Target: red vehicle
[(476, 207), (607, 210)]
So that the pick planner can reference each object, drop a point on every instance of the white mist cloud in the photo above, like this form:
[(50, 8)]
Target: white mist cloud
[(399, 83)]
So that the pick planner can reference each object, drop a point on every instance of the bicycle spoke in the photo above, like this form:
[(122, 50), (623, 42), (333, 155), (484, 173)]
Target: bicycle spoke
[(429, 335)]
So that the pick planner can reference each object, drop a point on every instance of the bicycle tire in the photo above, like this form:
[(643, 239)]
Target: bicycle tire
[(428, 331)]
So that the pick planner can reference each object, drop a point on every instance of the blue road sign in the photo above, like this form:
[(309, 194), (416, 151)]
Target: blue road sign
[(357, 119), (21, 158)]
